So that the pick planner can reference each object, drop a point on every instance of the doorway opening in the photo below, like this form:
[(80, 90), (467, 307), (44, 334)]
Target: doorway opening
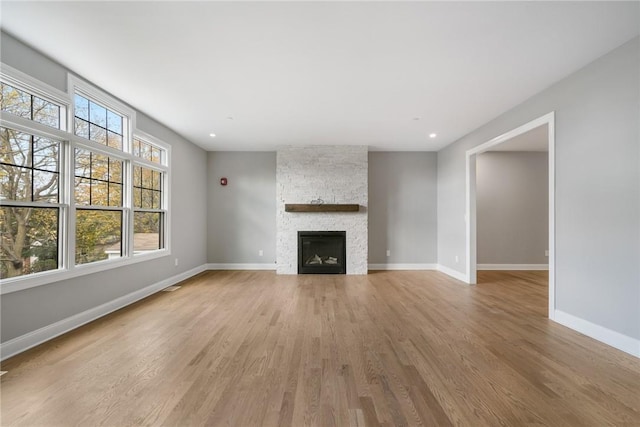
[(514, 140)]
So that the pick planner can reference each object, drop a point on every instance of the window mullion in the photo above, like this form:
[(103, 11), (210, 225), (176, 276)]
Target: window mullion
[(65, 197), (32, 162), (127, 188)]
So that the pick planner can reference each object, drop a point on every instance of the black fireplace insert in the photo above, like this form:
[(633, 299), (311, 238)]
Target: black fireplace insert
[(322, 252)]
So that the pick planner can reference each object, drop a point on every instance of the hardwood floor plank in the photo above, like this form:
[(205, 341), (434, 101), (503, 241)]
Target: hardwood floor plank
[(249, 348)]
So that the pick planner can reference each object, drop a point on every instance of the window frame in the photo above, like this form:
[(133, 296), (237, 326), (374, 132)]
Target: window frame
[(69, 142)]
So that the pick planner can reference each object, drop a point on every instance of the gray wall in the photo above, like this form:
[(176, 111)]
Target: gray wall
[(242, 215), (31, 309), (402, 207), (512, 200), (597, 188)]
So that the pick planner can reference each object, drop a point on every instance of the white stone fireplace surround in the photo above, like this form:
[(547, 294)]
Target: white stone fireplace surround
[(335, 174)]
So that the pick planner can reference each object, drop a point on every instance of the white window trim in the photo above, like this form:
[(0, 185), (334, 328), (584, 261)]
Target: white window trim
[(46, 277), (34, 86), (67, 207)]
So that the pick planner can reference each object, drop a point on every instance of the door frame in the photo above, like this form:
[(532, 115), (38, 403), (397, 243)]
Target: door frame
[(470, 206)]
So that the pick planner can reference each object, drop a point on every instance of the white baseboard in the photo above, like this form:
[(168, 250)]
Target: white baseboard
[(239, 266), (514, 267), (453, 273), (614, 339), (403, 266), (46, 333)]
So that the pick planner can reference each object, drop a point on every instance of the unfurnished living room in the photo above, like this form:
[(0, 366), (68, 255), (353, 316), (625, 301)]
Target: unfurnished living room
[(321, 213)]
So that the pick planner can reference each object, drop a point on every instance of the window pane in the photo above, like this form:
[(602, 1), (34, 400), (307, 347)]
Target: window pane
[(156, 155), (81, 107), (98, 179), (83, 163), (114, 140), (147, 178), (156, 180), (137, 197), (157, 200), (23, 104), (26, 183), (45, 154), (114, 122), (147, 199), (81, 128), (15, 101), (115, 170), (100, 167), (136, 148), (145, 151), (15, 183), (137, 176), (30, 240), (97, 114), (115, 194), (100, 124), (82, 191), (16, 147), (147, 235), (99, 193), (98, 235), (97, 134), (45, 186), (147, 188), (46, 112)]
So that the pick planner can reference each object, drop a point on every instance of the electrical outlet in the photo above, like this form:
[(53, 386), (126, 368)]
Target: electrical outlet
[(176, 262), (388, 252), (260, 252), (546, 253), (457, 259)]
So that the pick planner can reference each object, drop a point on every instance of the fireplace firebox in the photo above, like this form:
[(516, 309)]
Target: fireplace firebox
[(322, 252)]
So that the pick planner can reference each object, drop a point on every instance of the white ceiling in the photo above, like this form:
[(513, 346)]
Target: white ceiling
[(536, 139), (293, 73)]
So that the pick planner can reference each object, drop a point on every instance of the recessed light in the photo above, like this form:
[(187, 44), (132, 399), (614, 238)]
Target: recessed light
[(212, 135), (432, 135)]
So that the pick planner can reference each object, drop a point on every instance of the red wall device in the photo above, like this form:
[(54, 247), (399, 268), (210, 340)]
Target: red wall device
[(223, 181)]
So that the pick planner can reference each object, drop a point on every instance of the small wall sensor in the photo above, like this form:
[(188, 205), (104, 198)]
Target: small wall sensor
[(223, 181)]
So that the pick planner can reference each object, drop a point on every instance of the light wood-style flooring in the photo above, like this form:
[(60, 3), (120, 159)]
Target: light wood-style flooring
[(390, 348)]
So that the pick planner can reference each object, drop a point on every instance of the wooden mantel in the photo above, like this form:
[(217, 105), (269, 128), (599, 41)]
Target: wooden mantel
[(325, 207)]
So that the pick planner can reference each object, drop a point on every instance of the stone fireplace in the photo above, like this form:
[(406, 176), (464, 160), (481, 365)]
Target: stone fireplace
[(322, 174)]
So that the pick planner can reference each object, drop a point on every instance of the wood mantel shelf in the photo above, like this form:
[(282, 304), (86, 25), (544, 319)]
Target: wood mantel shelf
[(325, 207)]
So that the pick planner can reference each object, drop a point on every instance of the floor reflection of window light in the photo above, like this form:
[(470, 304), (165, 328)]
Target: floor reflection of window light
[(171, 288), (3, 372)]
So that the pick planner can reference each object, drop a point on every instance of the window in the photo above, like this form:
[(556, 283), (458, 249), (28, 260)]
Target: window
[(97, 123), (148, 200), (23, 104), (99, 208), (75, 201), (30, 213), (147, 151)]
